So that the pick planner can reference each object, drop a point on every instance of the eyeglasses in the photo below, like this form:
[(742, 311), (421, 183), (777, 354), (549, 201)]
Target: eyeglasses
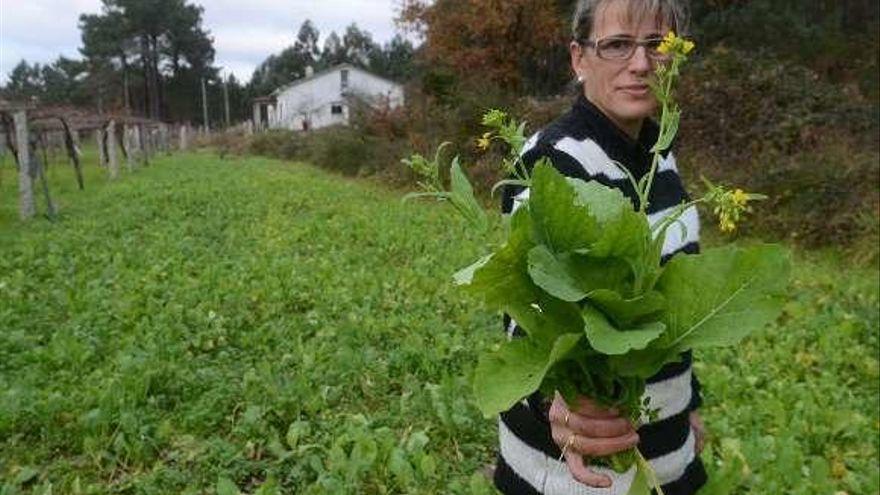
[(623, 47)]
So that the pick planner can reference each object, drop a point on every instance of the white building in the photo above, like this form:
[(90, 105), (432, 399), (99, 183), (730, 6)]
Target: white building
[(322, 99)]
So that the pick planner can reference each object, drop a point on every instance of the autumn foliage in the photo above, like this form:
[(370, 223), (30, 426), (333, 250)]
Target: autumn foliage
[(503, 42)]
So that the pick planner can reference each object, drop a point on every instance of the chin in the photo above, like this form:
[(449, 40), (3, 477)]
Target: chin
[(637, 110)]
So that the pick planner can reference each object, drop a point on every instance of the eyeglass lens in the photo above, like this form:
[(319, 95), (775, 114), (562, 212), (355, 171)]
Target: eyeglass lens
[(623, 48)]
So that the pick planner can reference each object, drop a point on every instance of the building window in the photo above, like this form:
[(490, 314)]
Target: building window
[(343, 79), (336, 109)]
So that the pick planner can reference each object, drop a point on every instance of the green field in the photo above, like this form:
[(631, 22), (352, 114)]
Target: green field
[(206, 326)]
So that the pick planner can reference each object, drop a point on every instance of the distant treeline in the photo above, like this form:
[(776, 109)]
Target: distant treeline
[(149, 56)]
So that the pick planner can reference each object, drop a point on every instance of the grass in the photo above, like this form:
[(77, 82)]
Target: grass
[(207, 326)]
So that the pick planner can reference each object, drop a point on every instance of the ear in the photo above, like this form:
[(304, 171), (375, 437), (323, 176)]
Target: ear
[(576, 51)]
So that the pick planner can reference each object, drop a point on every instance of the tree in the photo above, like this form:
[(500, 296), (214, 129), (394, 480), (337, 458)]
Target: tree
[(25, 82), (290, 64), (358, 45), (164, 39), (306, 46), (333, 52), (395, 60), (518, 45), (62, 81)]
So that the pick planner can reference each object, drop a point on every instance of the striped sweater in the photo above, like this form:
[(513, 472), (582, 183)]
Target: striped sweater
[(582, 143)]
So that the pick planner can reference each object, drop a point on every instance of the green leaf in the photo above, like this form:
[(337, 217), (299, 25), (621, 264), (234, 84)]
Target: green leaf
[(609, 340), (640, 484), (25, 475), (466, 275), (269, 487), (624, 233), (502, 277), (462, 197), (623, 230), (719, 297), (502, 281), (643, 363), (517, 369), (573, 276), (669, 131), (295, 432), (604, 203), (626, 312), (646, 477), (225, 486), (559, 219), (553, 276)]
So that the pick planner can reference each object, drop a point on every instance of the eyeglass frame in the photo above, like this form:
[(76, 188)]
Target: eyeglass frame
[(594, 44)]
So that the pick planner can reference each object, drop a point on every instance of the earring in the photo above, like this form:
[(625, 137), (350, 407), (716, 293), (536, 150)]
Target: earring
[(580, 78)]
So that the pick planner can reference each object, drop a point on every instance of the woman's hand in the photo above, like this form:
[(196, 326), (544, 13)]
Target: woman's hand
[(591, 430)]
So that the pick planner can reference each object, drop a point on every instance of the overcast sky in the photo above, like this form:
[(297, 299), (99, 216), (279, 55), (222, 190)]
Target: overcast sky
[(245, 31)]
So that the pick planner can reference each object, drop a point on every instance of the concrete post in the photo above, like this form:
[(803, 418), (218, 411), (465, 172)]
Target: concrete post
[(129, 149), (112, 160), (99, 139), (27, 209), (184, 143)]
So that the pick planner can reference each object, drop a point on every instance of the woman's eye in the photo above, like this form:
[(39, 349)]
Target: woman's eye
[(618, 44)]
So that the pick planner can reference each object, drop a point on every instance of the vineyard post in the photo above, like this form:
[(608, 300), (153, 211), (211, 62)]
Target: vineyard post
[(127, 140), (166, 145), (145, 143), (27, 209), (74, 135), (136, 144), (99, 139), (112, 159), (183, 138)]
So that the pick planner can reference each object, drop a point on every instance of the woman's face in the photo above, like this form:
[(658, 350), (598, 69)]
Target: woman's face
[(619, 87)]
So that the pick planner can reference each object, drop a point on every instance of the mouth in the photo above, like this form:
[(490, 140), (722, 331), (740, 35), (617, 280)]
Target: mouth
[(636, 90)]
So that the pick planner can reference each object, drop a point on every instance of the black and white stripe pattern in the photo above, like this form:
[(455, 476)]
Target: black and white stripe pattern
[(585, 144)]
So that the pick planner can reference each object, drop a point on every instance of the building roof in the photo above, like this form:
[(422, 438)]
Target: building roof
[(318, 74)]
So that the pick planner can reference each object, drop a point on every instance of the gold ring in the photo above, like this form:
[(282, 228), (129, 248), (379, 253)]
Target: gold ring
[(568, 444), (567, 417)]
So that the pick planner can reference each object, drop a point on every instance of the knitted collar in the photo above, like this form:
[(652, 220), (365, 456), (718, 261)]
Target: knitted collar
[(635, 155)]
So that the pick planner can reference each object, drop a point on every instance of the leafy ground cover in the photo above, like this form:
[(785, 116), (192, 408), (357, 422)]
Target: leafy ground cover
[(213, 326)]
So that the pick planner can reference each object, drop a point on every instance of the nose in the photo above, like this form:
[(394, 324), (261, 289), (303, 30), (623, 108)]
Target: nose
[(640, 63)]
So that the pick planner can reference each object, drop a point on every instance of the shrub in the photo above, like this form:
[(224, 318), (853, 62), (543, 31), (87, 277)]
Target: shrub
[(738, 105), (279, 144)]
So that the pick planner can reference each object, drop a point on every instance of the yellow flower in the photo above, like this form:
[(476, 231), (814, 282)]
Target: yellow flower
[(668, 41), (726, 224), (484, 141), (672, 44), (739, 197), (687, 47)]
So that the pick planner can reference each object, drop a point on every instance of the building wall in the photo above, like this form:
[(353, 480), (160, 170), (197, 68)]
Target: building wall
[(313, 101)]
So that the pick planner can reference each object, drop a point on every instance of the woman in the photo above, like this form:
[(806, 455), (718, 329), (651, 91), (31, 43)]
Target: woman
[(614, 54)]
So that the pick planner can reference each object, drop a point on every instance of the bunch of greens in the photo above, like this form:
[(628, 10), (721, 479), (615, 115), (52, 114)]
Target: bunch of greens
[(580, 272)]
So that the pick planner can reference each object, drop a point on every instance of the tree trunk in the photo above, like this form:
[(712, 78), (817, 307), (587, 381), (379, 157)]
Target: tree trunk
[(156, 97)]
